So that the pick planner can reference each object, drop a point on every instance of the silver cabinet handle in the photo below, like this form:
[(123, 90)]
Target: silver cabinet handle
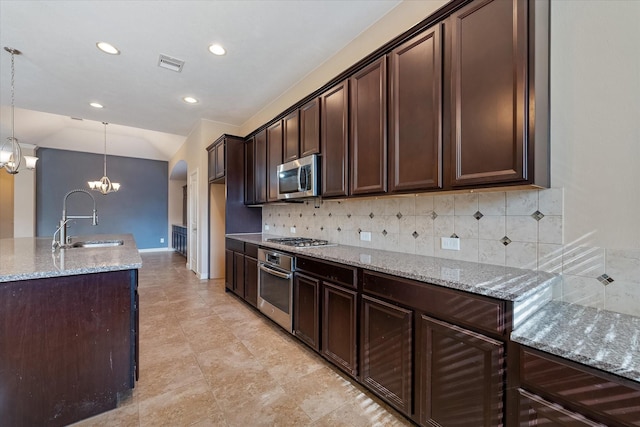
[(275, 272)]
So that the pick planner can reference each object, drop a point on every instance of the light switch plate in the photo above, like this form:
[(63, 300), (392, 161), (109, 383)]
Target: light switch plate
[(365, 236), (292, 230), (450, 243), (266, 227)]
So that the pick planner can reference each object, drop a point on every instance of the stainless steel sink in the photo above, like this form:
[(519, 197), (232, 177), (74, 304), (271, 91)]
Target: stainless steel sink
[(96, 244)]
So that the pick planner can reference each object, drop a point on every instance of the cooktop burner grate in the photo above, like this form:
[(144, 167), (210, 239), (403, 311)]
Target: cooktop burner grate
[(300, 242)]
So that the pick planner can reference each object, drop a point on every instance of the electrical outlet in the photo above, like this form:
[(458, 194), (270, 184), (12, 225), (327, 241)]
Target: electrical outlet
[(450, 243), (162, 240), (292, 230), (365, 236), (266, 227)]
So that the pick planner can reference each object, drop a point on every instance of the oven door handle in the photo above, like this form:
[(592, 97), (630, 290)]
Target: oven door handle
[(275, 272)]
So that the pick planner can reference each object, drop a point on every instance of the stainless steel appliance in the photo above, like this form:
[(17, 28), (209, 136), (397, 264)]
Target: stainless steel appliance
[(275, 286), (300, 242), (299, 178)]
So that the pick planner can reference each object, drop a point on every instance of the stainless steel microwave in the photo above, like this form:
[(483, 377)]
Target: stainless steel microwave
[(299, 178)]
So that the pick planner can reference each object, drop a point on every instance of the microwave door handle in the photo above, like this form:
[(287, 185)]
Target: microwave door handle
[(275, 272), (300, 169)]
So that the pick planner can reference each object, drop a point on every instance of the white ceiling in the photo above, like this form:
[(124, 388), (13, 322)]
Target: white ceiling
[(270, 46)]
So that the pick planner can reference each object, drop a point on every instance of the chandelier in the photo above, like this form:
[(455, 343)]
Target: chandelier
[(10, 151), (104, 185)]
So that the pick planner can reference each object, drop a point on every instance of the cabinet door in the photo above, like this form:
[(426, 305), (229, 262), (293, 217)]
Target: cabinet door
[(211, 163), (306, 315), (461, 379), (386, 334), (489, 109), (339, 327), (310, 128), (290, 144), (369, 129), (229, 270), (334, 108), (250, 171), (261, 167), (251, 280), (535, 411), (220, 160), (238, 278), (415, 113), (274, 159)]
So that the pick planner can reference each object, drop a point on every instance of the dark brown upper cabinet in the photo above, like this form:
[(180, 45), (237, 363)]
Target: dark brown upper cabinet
[(310, 128), (369, 129), (415, 113), (256, 169), (250, 171), (291, 146), (488, 49), (216, 160), (334, 134), (274, 159), (261, 167)]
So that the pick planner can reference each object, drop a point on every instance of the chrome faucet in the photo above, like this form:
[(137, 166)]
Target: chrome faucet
[(63, 239)]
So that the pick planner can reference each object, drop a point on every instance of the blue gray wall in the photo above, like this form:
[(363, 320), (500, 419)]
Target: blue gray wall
[(139, 208)]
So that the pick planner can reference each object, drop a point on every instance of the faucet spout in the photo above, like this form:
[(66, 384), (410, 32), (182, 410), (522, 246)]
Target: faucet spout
[(62, 229)]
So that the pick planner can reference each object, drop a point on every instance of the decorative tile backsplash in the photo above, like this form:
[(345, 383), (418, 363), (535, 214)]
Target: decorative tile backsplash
[(516, 228)]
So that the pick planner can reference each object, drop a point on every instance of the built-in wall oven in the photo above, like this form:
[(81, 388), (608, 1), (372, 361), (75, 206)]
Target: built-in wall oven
[(275, 286)]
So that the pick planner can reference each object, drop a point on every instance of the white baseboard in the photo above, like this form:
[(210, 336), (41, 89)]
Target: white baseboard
[(156, 250)]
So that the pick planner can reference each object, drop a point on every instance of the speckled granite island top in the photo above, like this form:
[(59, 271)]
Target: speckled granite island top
[(506, 283), (31, 258), (598, 338)]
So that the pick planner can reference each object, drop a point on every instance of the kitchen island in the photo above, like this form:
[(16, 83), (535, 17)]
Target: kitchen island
[(68, 329)]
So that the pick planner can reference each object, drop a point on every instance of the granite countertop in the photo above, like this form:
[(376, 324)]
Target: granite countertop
[(31, 258), (598, 338), (506, 283)]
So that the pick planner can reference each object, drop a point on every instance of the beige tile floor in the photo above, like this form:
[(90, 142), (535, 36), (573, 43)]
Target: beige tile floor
[(207, 359)]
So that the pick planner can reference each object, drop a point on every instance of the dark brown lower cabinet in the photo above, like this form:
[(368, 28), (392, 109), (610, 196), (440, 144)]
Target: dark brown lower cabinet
[(238, 275), (306, 316), (461, 376), (535, 411), (229, 270), (339, 342), (387, 345), (251, 280)]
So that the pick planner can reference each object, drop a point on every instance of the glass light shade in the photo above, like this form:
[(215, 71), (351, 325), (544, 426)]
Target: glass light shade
[(116, 186), (5, 156)]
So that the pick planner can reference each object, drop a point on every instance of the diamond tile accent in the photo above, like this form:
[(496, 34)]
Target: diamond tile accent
[(454, 236), (314, 214), (359, 230), (478, 215), (384, 232), (339, 229), (605, 279), (348, 215), (300, 215), (289, 215), (371, 215), (329, 214), (505, 240), (434, 215), (537, 215), (321, 228), (399, 215), (415, 234)]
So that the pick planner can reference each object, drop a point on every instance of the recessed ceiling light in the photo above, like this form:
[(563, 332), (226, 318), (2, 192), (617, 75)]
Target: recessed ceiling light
[(190, 100), (107, 48), (216, 49), (96, 105)]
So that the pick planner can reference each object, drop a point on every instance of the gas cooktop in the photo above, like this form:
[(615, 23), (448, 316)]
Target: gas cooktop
[(300, 242)]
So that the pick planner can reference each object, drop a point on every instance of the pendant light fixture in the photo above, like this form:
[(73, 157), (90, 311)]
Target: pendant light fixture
[(104, 185), (10, 151)]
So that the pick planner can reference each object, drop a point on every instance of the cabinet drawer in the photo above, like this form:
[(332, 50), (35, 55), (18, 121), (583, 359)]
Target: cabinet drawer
[(327, 270), (598, 395), (251, 250), (451, 305), (234, 245)]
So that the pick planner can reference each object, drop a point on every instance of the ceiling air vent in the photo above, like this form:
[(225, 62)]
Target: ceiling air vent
[(170, 63)]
